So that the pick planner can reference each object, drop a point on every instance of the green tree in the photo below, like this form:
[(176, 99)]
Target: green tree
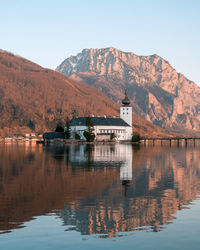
[(59, 128), (89, 124), (68, 130), (136, 137), (89, 135)]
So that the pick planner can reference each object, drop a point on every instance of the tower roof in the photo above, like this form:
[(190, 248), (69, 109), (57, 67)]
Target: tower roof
[(126, 100)]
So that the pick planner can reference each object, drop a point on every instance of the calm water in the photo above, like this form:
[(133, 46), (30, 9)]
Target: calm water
[(99, 197)]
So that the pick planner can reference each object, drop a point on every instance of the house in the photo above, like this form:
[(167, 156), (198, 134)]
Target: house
[(104, 127)]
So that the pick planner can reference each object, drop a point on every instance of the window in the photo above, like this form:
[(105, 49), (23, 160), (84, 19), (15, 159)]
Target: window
[(123, 113), (127, 113), (127, 108)]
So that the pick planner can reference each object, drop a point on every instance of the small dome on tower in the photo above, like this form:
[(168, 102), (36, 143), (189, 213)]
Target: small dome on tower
[(126, 100)]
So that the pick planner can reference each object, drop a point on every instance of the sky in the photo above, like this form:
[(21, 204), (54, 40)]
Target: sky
[(48, 31)]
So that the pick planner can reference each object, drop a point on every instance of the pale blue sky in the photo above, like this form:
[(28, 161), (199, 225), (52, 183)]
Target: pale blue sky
[(48, 31)]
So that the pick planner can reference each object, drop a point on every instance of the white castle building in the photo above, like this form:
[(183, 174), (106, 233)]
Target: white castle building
[(104, 127)]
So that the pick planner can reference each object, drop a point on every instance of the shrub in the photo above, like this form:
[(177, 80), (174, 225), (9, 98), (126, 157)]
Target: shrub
[(136, 137)]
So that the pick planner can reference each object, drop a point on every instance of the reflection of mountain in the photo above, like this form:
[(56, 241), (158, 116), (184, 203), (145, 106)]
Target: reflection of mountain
[(161, 185), (36, 180), (34, 183)]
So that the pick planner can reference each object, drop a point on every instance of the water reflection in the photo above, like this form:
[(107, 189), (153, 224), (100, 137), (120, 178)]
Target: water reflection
[(104, 189)]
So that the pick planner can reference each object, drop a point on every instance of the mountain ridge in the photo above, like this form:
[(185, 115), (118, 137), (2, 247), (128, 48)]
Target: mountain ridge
[(33, 98), (159, 94)]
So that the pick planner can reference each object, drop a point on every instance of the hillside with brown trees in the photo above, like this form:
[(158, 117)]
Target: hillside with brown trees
[(36, 99)]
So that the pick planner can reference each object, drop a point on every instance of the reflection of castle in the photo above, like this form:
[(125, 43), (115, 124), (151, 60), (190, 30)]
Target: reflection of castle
[(158, 188), (104, 155)]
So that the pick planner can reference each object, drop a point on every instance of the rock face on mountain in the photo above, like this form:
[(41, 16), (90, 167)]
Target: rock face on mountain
[(33, 98), (157, 92)]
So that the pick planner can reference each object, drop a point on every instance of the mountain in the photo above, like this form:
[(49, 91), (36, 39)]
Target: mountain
[(37, 98), (33, 98), (158, 93)]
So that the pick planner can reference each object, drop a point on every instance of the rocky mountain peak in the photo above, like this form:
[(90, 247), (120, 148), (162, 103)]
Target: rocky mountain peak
[(158, 93)]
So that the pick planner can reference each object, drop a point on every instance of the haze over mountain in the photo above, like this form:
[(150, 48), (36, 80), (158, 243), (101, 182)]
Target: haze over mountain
[(158, 93), (33, 98)]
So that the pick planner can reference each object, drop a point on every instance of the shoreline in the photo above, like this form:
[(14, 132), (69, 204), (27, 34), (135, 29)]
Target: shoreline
[(65, 142)]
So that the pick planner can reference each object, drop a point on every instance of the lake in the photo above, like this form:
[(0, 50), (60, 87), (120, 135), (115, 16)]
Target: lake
[(99, 197)]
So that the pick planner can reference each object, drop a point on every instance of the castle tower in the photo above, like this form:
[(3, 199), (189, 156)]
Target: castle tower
[(126, 110)]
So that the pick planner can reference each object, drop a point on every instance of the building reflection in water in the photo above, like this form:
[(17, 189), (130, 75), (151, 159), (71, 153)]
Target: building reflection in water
[(104, 189)]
